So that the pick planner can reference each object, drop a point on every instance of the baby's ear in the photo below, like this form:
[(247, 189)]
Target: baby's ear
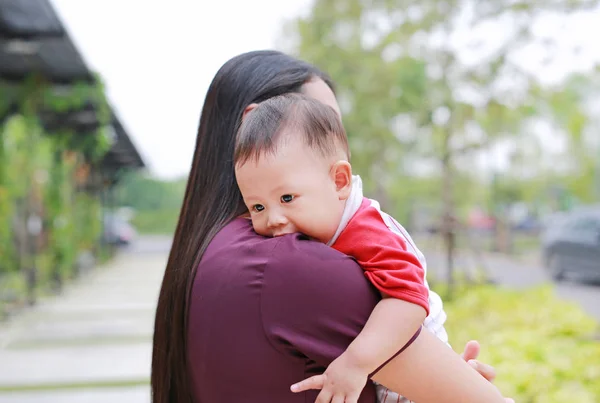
[(342, 177), (249, 109)]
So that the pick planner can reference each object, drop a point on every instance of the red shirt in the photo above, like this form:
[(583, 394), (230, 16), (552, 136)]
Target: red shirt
[(384, 256)]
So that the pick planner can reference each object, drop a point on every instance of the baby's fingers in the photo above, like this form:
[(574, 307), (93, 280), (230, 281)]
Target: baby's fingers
[(314, 382), (325, 397), (339, 398), (354, 398)]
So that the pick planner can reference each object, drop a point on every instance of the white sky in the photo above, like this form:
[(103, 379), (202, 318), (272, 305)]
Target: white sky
[(157, 58)]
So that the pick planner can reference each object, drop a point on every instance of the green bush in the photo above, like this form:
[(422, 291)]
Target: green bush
[(156, 202), (545, 350), (161, 222)]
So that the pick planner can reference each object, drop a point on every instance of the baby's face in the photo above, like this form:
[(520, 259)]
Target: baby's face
[(293, 190)]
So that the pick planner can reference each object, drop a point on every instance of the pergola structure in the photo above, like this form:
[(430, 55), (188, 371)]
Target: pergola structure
[(33, 40), (34, 45)]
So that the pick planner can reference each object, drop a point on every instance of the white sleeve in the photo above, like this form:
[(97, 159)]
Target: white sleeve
[(437, 317)]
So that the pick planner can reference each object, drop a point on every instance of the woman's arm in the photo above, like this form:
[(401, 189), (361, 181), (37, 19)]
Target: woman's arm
[(430, 371), (420, 373)]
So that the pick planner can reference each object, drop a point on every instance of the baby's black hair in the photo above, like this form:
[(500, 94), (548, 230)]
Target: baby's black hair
[(260, 132)]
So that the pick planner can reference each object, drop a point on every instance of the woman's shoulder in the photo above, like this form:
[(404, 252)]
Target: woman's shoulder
[(301, 268), (294, 278), (314, 299), (238, 236), (289, 260), (297, 251)]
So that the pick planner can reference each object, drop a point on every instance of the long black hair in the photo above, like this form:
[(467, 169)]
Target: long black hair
[(212, 199)]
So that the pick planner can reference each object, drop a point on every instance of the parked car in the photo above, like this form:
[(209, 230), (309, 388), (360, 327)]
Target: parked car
[(118, 231), (572, 244)]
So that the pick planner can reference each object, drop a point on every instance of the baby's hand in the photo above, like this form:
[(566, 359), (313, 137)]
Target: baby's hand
[(341, 382)]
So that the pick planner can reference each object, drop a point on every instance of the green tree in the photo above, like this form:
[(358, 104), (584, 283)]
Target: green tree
[(412, 101), (577, 122), (156, 202), (144, 192)]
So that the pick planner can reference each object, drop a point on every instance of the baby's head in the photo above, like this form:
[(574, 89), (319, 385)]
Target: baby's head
[(292, 167)]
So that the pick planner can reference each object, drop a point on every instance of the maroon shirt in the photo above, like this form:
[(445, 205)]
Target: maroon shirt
[(268, 312)]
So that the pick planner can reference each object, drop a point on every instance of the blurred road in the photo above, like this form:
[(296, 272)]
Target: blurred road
[(91, 344), (519, 274), (151, 244)]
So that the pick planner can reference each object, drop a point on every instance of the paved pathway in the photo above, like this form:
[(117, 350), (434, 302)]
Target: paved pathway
[(92, 343)]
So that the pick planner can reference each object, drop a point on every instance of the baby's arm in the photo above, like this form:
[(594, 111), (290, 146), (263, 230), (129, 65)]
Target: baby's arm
[(392, 267), (430, 371), (396, 271), (391, 325)]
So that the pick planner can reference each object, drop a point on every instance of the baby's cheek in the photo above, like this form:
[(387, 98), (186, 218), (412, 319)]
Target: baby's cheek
[(327, 227), (259, 228)]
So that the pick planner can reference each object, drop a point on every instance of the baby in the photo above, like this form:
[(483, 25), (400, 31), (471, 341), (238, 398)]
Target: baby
[(293, 170)]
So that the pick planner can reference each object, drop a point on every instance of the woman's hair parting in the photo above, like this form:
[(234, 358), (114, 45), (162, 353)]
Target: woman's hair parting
[(262, 130)]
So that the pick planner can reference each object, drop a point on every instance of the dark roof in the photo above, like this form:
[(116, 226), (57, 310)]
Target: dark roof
[(33, 40), (122, 152)]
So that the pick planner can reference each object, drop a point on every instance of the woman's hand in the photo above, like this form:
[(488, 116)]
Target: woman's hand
[(472, 349), (470, 355)]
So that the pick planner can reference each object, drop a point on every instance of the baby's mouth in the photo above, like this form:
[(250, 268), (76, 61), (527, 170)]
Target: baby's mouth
[(283, 232)]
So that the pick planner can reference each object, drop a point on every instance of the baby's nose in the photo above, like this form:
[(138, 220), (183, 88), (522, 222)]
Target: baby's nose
[(277, 220)]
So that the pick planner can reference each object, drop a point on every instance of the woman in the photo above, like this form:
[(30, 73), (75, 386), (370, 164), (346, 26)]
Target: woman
[(240, 317)]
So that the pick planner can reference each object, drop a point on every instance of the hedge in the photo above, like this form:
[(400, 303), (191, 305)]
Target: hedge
[(545, 349)]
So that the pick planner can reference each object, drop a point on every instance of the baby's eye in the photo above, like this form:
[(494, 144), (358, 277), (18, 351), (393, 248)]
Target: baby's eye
[(258, 208), (287, 198)]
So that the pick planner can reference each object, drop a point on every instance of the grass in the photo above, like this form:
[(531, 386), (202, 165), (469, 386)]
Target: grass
[(543, 347), (79, 342), (156, 222), (46, 387), (78, 315)]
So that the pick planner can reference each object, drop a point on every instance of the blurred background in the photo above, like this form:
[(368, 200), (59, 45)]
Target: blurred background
[(474, 122)]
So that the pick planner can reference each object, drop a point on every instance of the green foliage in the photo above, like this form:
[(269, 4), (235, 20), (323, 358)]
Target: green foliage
[(162, 222), (18, 164), (74, 98), (61, 225), (156, 202), (543, 348), (87, 218), (77, 97), (7, 253), (414, 109), (38, 173), (142, 192), (35, 96)]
